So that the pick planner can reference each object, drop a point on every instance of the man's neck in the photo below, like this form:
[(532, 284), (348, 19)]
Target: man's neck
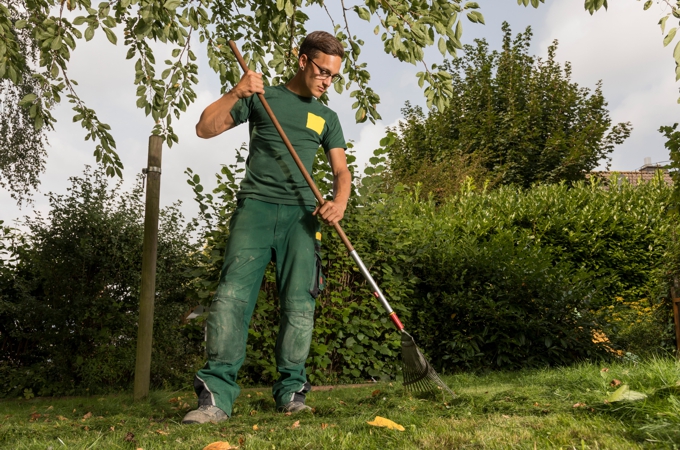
[(297, 86)]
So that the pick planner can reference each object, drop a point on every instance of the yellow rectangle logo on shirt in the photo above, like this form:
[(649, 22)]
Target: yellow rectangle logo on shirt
[(315, 122)]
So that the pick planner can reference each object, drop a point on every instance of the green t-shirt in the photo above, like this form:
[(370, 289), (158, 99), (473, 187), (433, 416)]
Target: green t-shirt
[(271, 174)]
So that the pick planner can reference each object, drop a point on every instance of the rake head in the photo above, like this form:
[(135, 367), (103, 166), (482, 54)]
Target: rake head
[(418, 373)]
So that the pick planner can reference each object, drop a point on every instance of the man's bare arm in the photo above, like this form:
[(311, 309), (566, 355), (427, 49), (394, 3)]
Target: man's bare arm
[(216, 118), (333, 211)]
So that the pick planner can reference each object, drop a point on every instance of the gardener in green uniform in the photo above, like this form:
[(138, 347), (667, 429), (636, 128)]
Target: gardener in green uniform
[(275, 220)]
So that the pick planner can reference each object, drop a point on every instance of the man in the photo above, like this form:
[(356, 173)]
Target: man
[(275, 219)]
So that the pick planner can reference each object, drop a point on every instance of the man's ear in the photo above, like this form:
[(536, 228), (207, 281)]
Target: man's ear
[(302, 61)]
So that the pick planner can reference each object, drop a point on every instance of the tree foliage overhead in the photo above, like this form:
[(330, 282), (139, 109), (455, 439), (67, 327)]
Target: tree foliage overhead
[(514, 119), (269, 33), (22, 145)]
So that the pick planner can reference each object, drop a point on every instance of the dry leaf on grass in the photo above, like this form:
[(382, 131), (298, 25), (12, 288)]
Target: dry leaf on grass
[(295, 425), (61, 418), (255, 427), (579, 405), (219, 445), (87, 416), (385, 423), (625, 394), (324, 426), (51, 407), (376, 392), (615, 383), (130, 437), (164, 433)]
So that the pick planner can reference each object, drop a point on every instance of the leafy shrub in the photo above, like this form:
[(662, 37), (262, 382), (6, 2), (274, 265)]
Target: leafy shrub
[(572, 251), (507, 278), (69, 297), (352, 338)]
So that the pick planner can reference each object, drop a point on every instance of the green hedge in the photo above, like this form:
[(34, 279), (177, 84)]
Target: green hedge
[(524, 277), (507, 278), (69, 295)]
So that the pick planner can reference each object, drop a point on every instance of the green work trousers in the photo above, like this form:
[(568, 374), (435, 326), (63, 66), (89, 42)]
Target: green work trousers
[(261, 232)]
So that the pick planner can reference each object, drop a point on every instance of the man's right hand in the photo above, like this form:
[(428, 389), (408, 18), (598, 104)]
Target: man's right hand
[(216, 118), (250, 84)]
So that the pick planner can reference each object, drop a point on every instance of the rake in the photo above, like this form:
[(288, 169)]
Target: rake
[(419, 375)]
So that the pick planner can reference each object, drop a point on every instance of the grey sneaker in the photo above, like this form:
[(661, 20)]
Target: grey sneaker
[(295, 407), (205, 414)]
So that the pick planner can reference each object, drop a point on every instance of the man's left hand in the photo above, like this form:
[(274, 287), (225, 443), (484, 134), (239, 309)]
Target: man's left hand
[(331, 212)]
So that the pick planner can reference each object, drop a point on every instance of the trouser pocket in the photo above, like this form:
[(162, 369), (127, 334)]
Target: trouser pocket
[(319, 280)]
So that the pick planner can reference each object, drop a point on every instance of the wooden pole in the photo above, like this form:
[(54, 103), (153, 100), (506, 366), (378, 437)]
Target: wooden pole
[(148, 290), (675, 301)]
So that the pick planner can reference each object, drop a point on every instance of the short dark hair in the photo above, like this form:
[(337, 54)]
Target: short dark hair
[(321, 41)]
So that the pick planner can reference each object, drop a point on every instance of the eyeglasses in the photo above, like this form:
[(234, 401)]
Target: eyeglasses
[(324, 74)]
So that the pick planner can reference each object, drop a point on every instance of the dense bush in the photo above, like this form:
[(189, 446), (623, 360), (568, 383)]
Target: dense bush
[(352, 338), (69, 294), (548, 261), (507, 278)]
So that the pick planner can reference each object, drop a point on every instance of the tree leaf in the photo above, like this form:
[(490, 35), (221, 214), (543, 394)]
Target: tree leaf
[(363, 13), (89, 33), (669, 37), (110, 35), (171, 5), (385, 423), (625, 394)]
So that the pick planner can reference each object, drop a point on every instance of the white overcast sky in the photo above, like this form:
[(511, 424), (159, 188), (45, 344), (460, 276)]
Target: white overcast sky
[(621, 46)]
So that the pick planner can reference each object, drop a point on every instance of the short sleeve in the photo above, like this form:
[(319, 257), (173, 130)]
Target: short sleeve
[(333, 137), (240, 112)]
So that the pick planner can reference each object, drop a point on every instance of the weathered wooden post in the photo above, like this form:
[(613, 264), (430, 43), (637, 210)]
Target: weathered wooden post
[(675, 301), (148, 290)]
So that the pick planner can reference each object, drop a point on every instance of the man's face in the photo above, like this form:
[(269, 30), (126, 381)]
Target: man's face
[(319, 71)]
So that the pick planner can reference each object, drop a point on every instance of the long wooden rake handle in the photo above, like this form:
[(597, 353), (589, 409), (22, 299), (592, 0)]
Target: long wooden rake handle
[(341, 233)]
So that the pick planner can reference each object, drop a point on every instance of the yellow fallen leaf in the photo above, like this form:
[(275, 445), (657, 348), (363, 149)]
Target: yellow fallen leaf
[(219, 445), (386, 423), (255, 427), (296, 424), (164, 433)]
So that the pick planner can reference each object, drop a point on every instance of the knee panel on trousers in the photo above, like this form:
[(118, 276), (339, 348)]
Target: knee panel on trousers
[(227, 330)]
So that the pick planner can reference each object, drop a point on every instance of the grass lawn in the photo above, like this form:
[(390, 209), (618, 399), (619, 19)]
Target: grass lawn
[(549, 408)]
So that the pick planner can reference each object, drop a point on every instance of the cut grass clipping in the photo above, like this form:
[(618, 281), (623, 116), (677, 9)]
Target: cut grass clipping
[(620, 406)]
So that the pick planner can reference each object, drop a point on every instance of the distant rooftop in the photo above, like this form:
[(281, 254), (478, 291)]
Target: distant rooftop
[(643, 175)]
